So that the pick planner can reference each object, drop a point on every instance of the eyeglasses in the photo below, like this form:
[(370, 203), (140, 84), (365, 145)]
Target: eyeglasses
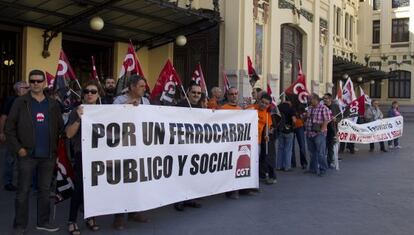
[(36, 81), (233, 93), (87, 91), (196, 93)]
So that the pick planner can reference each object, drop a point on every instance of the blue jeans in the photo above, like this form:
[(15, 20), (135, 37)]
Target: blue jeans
[(284, 153), (300, 136), (26, 166), (317, 150)]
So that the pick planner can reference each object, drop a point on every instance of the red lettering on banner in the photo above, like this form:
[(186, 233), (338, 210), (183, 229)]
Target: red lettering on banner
[(342, 136)]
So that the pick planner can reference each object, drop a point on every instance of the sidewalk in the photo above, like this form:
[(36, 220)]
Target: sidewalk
[(371, 194)]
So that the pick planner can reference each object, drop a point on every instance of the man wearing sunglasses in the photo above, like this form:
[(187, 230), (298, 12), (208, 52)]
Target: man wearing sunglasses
[(32, 130), (10, 166), (194, 95)]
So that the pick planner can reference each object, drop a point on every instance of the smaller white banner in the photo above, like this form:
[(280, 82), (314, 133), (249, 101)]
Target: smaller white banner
[(376, 131)]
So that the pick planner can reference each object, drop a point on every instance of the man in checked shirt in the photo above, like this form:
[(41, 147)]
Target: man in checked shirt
[(316, 125)]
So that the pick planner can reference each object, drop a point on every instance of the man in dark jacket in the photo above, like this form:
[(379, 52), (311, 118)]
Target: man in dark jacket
[(32, 131), (331, 139)]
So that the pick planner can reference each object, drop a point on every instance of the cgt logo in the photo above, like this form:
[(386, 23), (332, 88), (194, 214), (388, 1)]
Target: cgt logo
[(243, 162)]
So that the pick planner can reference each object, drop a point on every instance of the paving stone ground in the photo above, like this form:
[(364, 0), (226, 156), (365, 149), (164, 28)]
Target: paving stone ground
[(372, 193)]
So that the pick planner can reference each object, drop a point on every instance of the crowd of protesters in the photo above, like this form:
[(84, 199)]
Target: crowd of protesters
[(32, 124)]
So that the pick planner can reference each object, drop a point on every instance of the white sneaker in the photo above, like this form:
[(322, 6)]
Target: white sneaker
[(398, 147)]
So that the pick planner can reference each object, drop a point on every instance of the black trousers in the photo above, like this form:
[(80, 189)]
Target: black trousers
[(330, 142), (350, 146), (26, 166), (267, 162), (77, 196), (382, 146)]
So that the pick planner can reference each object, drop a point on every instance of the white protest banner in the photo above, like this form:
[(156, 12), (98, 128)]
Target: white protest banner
[(144, 157), (376, 131)]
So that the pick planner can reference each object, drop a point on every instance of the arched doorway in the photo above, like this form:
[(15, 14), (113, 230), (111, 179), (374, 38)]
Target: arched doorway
[(291, 44)]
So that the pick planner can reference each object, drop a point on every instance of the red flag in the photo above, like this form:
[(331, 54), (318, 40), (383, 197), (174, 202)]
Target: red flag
[(226, 83), (50, 80), (167, 84), (130, 66), (339, 92), (356, 107), (94, 73), (64, 75), (348, 93), (299, 87), (368, 100), (252, 72), (198, 77), (64, 176), (269, 90)]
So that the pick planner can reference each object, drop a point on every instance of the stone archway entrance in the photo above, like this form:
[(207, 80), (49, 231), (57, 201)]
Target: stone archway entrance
[(291, 45)]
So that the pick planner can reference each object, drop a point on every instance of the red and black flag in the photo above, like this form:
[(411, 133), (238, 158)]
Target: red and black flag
[(168, 86), (253, 77), (198, 77), (269, 92), (130, 66), (66, 83), (355, 108), (226, 83), (64, 174), (50, 80), (298, 88)]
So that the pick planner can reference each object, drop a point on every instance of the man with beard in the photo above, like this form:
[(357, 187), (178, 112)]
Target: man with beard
[(110, 90)]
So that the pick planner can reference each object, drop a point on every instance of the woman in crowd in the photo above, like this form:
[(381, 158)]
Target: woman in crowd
[(394, 111), (73, 131)]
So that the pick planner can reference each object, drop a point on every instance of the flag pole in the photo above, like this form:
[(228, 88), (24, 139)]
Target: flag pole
[(186, 97), (70, 89), (267, 134), (77, 82)]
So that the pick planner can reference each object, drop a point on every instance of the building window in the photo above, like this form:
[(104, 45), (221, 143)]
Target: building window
[(376, 5), (376, 31), (259, 49), (346, 25), (338, 21), (399, 85), (351, 28), (400, 3), (375, 90), (400, 31)]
